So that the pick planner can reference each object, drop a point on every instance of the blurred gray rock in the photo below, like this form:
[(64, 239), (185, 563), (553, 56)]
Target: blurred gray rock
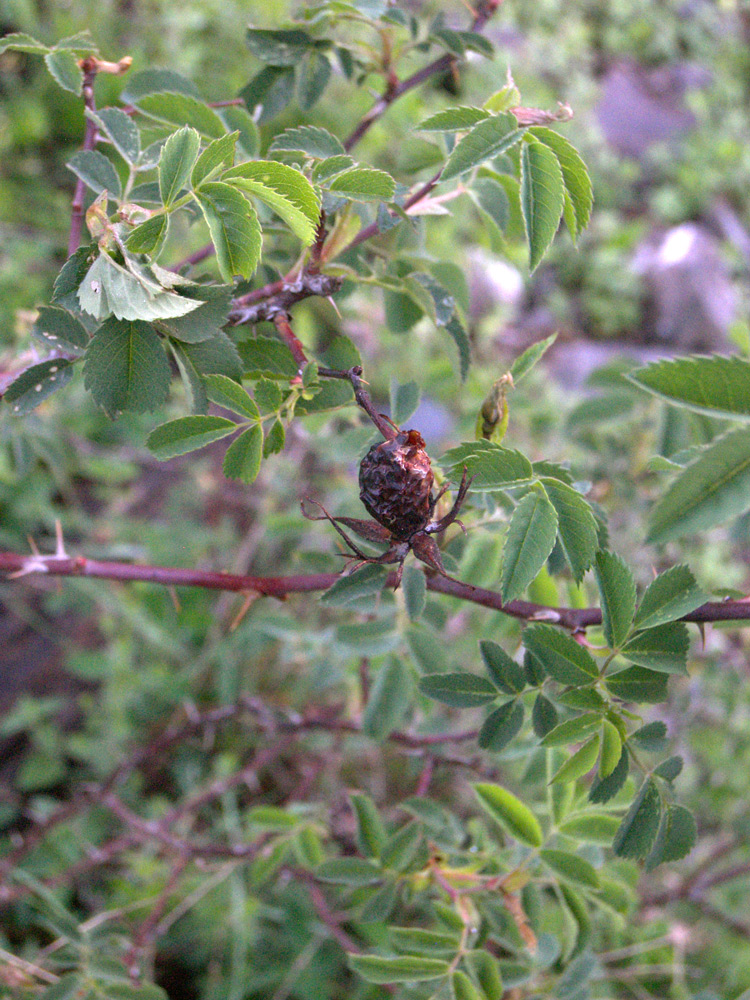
[(691, 300)]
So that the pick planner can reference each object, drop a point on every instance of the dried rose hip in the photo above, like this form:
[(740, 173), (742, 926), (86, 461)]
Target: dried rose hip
[(395, 482)]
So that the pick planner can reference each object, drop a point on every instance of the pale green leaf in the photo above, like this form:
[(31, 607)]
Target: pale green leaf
[(712, 488), (617, 595), (572, 730), (593, 828), (364, 582), (178, 156), (243, 456), (487, 139), (126, 367), (579, 763), (227, 393), (96, 172), (576, 525), (492, 199), (671, 595), (283, 189), (364, 184), (121, 130), (217, 154), (406, 969), (110, 288), (371, 833), (64, 69), (491, 466), (181, 109), (663, 648), (510, 813), (177, 437), (717, 386), (18, 41), (571, 868), (541, 197), (575, 176), (156, 81), (414, 587), (458, 119), (234, 229), (150, 236), (348, 871), (526, 361), (611, 748), (530, 539), (315, 142)]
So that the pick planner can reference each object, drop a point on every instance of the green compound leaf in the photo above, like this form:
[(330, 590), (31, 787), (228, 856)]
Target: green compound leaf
[(675, 839), (267, 357), (58, 328), (637, 832), (530, 539), (459, 119), (406, 969), (579, 763), (121, 130), (662, 648), (234, 228), (464, 988), (177, 437), (36, 384), (639, 684), (459, 690), (501, 726), (670, 768), (671, 595), (571, 868), (217, 154), (617, 594), (652, 737), (711, 489), (507, 810), (364, 184), (604, 789), (504, 672), (283, 189), (487, 139), (576, 526), (205, 322), (543, 716), (717, 386), (492, 466), (64, 70), (560, 655), (126, 367), (575, 177), (181, 109), (96, 172), (541, 197), (311, 140), (178, 156), (244, 455), (390, 698), (227, 393)]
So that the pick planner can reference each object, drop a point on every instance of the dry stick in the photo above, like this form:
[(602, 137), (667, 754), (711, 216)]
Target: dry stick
[(575, 619)]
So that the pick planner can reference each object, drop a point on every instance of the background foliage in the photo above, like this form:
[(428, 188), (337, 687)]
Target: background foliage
[(295, 755)]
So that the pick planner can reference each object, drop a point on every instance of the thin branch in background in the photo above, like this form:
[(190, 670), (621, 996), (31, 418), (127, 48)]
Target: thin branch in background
[(146, 935), (90, 69)]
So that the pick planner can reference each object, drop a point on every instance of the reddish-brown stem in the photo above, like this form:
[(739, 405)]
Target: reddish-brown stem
[(354, 375), (287, 334), (89, 142), (575, 619)]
